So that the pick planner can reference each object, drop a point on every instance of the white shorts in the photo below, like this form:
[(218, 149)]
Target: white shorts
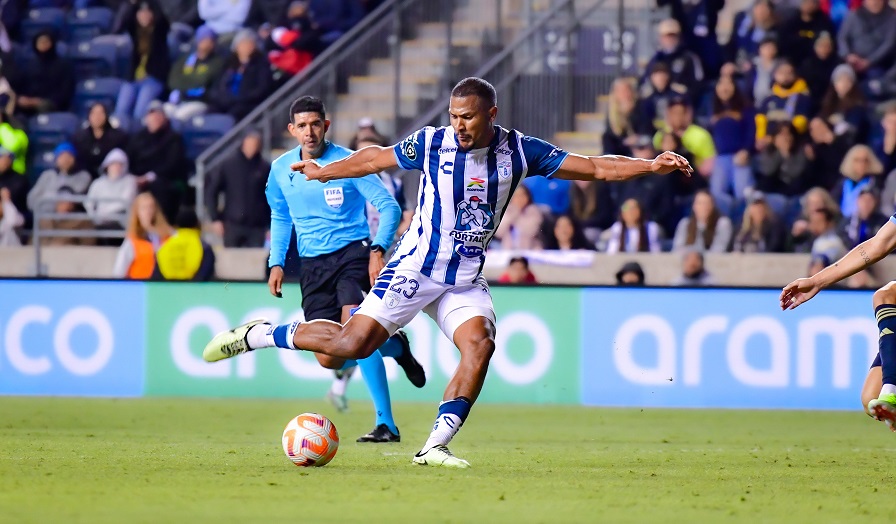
[(397, 297)]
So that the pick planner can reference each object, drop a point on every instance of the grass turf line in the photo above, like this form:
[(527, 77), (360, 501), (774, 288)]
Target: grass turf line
[(189, 460)]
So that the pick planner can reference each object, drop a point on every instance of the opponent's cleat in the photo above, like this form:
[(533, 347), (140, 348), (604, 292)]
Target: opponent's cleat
[(380, 434), (440, 456), (230, 343), (339, 401), (884, 409), (414, 371)]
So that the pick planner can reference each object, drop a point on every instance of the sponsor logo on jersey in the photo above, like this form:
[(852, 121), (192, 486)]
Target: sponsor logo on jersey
[(444, 150), (447, 167), (469, 251), (473, 227), (476, 184), (502, 151)]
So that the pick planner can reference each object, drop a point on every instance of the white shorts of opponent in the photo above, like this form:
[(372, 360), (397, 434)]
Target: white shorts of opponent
[(399, 294)]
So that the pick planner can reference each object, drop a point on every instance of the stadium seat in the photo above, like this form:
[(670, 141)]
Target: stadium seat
[(125, 123), (59, 125), (42, 19), (123, 48), (94, 59), (41, 159), (200, 132), (85, 24), (87, 92)]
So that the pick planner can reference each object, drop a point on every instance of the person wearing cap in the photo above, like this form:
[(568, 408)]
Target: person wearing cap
[(158, 159), (224, 17), (789, 102), (48, 82), (192, 75), (867, 38), (16, 184), (630, 274), (696, 140), (818, 67), (246, 80), (244, 219), (656, 92), (684, 66), (866, 221), (860, 169), (760, 229), (66, 175), (698, 19), (798, 33), (148, 28)]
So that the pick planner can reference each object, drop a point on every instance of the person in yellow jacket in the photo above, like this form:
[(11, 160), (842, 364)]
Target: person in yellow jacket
[(14, 140), (185, 256)]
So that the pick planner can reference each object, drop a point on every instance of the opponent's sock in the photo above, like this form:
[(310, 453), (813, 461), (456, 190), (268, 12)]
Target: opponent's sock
[(886, 324), (268, 335), (341, 382), (374, 372), (452, 414), (392, 347)]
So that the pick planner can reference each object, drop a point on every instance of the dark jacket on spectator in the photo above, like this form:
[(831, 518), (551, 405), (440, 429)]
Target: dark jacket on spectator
[(798, 36), (653, 192), (163, 153), (771, 239), (854, 231), (92, 151), (825, 167), (18, 188), (785, 104), (887, 159), (745, 37), (782, 175), (242, 87), (651, 108), (817, 74), (871, 36), (242, 181), (158, 60), (698, 20), (48, 76), (686, 69)]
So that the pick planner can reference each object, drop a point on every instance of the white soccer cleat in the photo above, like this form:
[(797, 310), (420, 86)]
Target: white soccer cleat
[(231, 343), (440, 456)]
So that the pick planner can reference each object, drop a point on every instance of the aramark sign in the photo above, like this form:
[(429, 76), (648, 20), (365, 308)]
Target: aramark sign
[(724, 348)]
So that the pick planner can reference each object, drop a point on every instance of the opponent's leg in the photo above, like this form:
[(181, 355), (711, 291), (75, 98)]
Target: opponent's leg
[(884, 406), (871, 388), (475, 339)]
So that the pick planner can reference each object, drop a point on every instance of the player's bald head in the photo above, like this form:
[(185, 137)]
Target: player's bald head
[(473, 86)]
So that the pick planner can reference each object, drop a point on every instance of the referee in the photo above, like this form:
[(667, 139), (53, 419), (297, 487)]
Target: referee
[(338, 262)]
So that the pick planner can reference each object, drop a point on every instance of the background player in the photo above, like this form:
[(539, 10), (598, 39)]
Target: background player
[(338, 263), (879, 391), (473, 164)]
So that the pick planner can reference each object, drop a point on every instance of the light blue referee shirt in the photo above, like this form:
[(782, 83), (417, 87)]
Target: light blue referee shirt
[(327, 216)]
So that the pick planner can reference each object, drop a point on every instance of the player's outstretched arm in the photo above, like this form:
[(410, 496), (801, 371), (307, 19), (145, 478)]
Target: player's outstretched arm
[(369, 160), (860, 257), (618, 168)]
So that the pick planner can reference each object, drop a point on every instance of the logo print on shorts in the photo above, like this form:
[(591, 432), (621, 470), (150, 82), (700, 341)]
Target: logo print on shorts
[(392, 300), (334, 197)]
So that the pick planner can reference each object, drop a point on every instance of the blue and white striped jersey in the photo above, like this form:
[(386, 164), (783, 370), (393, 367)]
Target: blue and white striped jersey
[(463, 195)]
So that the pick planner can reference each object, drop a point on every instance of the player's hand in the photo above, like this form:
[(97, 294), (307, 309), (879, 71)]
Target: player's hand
[(377, 263), (668, 162), (799, 291), (275, 281), (311, 169)]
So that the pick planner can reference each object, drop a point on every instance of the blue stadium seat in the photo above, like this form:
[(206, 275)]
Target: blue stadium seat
[(125, 123), (41, 19), (41, 159), (47, 131), (87, 92), (123, 47), (94, 59), (85, 24), (200, 132)]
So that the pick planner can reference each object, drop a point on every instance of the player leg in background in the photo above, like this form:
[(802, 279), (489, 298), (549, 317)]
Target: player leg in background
[(873, 383), (475, 338), (884, 406)]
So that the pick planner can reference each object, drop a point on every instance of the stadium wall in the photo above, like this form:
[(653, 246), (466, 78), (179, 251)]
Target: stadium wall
[(605, 346)]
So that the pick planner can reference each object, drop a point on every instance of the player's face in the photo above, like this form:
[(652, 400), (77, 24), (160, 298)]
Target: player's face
[(471, 120), (309, 129)]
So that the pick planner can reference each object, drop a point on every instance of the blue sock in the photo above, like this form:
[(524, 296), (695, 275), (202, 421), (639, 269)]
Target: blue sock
[(283, 334), (374, 372), (392, 347), (348, 364), (886, 324)]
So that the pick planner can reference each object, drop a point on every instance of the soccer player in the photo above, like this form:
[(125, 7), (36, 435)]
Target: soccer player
[(338, 264), (470, 169), (879, 390)]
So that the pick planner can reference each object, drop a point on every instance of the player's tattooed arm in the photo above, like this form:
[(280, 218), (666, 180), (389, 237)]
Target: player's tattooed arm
[(618, 168), (864, 255)]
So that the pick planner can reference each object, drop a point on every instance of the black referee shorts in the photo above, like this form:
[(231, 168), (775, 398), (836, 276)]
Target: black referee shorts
[(334, 280)]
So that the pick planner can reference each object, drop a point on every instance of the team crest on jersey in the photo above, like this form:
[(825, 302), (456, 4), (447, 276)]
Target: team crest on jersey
[(475, 222), (408, 146), (334, 197), (505, 169)]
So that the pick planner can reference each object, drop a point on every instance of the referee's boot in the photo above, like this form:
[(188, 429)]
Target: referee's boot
[(380, 434), (414, 371)]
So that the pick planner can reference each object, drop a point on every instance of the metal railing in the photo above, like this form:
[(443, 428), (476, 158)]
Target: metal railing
[(46, 212), (382, 35)]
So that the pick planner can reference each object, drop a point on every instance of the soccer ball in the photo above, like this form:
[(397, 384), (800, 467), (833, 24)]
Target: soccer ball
[(310, 440)]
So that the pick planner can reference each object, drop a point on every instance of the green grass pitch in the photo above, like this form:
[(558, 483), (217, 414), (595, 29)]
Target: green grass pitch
[(186, 460)]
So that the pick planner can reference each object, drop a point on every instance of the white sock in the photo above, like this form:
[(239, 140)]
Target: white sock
[(446, 426), (339, 385), (261, 336), (888, 389)]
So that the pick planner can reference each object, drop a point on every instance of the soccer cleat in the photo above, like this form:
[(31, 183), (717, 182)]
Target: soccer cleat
[(414, 371), (339, 401), (380, 434), (440, 456), (884, 409), (230, 343)]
